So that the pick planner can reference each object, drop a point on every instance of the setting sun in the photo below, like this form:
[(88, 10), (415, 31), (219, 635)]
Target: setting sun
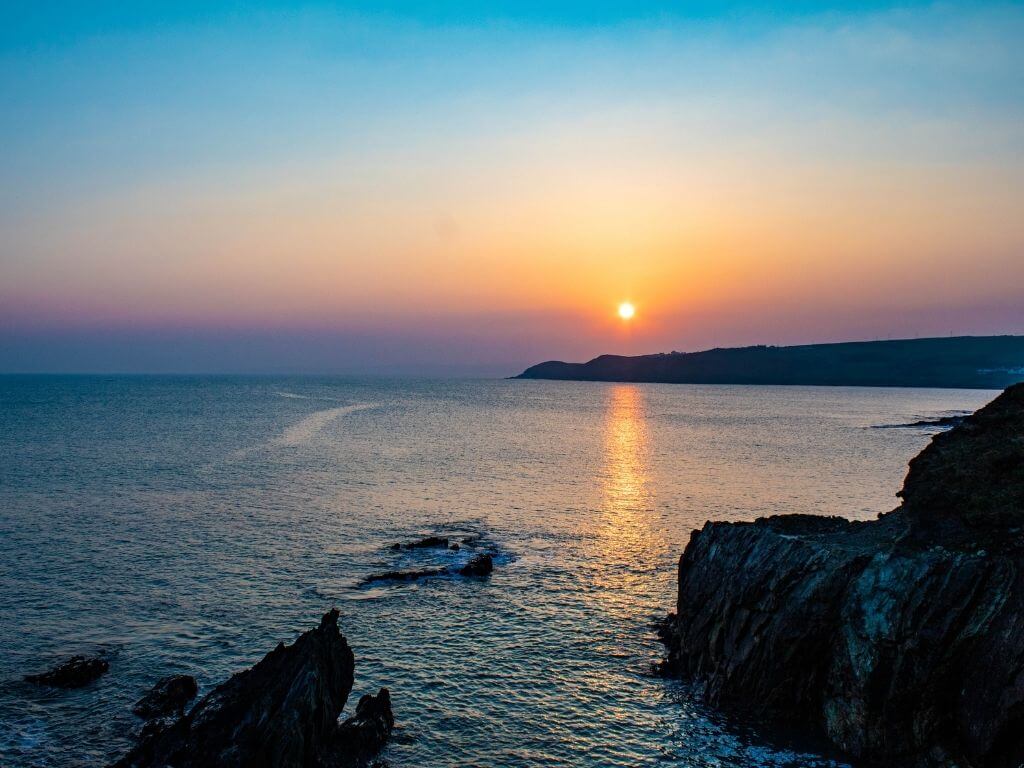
[(626, 310)]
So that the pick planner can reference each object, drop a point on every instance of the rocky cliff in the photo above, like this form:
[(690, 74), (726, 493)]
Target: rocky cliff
[(282, 713), (902, 639)]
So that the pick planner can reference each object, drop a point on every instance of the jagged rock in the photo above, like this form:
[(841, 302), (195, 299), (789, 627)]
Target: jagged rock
[(73, 673), (365, 733), (156, 725), (966, 489), (281, 713), (902, 639), (168, 696), (479, 565)]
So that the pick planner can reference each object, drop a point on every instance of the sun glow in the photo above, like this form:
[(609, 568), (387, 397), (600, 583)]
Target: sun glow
[(626, 310)]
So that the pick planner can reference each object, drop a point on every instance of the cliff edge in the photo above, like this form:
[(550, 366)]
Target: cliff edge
[(901, 639)]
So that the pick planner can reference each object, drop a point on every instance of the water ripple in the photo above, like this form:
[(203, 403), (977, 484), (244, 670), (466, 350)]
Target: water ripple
[(189, 524)]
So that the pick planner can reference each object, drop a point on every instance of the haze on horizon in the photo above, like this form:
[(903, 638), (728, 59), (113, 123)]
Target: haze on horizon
[(407, 187)]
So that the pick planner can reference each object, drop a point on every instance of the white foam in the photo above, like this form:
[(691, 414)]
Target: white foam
[(309, 427)]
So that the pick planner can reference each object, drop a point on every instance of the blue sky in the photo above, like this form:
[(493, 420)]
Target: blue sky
[(31, 24), (476, 187)]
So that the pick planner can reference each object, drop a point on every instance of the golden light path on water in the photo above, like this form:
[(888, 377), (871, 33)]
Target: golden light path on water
[(625, 534)]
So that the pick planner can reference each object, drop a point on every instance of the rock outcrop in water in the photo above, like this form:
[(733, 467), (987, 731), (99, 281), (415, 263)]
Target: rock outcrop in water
[(76, 672), (428, 542), (365, 733), (943, 422), (902, 639), (281, 713), (478, 565), (167, 697), (412, 575)]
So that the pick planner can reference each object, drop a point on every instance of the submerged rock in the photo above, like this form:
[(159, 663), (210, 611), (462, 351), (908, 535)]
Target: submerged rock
[(421, 573), (168, 696), (943, 422), (73, 673), (281, 713), (430, 542), (902, 639), (479, 565)]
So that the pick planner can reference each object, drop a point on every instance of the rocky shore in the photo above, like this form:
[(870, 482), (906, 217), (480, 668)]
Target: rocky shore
[(900, 639)]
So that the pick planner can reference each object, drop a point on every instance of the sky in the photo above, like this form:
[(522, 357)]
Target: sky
[(444, 188)]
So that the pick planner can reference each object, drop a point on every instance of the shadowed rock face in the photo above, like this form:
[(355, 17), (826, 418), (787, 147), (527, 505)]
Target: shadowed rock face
[(168, 696), (365, 733), (903, 638), (281, 713), (967, 487)]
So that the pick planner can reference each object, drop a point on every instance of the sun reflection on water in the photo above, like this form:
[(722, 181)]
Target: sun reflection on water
[(625, 537), (625, 453)]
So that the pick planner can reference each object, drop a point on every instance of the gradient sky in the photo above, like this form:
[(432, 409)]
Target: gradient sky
[(431, 187)]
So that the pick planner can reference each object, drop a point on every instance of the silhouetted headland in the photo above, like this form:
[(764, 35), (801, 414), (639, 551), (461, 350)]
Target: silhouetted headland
[(899, 638), (970, 362)]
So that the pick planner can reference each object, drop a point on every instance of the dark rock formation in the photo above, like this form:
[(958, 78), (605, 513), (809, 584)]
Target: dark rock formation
[(421, 573), (73, 673), (281, 713), (943, 422), (967, 488), (479, 565), (167, 697), (430, 542), (901, 639), (365, 734)]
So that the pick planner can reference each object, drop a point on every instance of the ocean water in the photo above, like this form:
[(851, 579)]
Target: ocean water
[(189, 524)]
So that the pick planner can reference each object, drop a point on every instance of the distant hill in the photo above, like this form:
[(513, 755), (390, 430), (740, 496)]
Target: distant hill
[(974, 362)]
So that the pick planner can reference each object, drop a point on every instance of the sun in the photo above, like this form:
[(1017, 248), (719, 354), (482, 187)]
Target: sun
[(626, 310)]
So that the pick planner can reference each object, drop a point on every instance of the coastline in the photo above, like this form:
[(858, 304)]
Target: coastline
[(895, 638), (965, 362)]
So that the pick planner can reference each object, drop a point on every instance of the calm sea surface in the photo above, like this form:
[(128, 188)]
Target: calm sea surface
[(189, 524)]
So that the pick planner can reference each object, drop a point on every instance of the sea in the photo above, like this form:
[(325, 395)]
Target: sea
[(188, 524)]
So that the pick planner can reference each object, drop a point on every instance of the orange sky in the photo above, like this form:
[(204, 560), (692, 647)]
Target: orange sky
[(819, 178)]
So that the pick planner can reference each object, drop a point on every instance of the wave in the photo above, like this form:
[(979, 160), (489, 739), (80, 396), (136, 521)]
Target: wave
[(309, 427), (292, 395)]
